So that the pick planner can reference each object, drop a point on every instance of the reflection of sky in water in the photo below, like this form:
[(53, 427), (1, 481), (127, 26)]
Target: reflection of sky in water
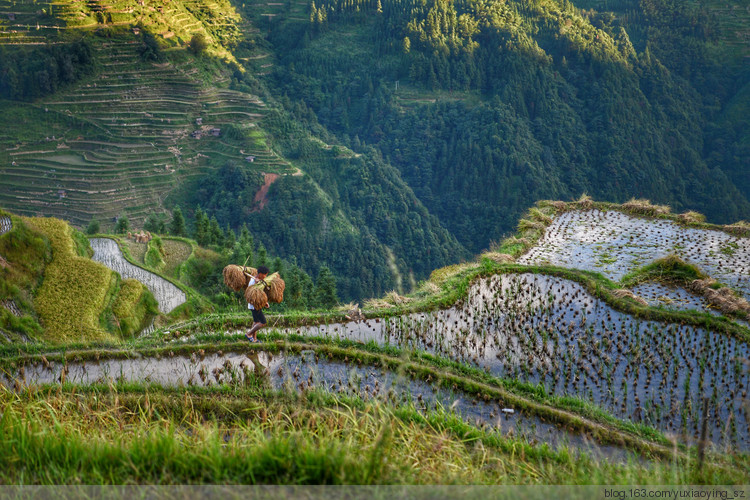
[(166, 294), (305, 371), (615, 244), (550, 331)]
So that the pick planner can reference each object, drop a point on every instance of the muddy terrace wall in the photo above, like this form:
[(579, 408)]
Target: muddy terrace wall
[(108, 253)]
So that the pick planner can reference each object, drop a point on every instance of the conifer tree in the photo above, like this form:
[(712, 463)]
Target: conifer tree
[(177, 226), (325, 289)]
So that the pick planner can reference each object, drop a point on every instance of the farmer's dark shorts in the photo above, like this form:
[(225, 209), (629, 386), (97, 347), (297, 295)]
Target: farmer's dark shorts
[(258, 316)]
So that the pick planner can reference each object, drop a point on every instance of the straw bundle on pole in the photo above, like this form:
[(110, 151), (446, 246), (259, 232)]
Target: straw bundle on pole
[(237, 277), (257, 297), (275, 288)]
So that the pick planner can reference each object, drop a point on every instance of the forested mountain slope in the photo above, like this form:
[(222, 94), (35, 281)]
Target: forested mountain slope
[(486, 105), (120, 109)]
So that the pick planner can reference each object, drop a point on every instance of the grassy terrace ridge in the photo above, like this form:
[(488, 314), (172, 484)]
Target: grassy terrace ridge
[(250, 435), (571, 413), (64, 295)]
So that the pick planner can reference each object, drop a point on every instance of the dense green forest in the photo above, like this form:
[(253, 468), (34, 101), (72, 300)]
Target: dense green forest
[(486, 106), (30, 73)]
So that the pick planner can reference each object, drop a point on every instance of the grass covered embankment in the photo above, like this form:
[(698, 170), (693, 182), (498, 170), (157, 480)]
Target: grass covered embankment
[(62, 294), (145, 434)]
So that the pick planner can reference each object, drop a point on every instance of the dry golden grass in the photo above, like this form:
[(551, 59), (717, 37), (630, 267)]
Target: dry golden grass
[(584, 202), (75, 289), (691, 218), (397, 299), (500, 258), (622, 293), (645, 207)]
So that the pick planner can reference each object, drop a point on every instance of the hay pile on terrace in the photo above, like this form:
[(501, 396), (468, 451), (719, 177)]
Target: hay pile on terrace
[(691, 218), (585, 202), (397, 299), (724, 299), (237, 277), (623, 292), (740, 228), (644, 207), (500, 258)]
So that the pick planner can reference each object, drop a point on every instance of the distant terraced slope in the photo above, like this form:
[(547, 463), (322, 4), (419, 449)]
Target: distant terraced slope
[(120, 141)]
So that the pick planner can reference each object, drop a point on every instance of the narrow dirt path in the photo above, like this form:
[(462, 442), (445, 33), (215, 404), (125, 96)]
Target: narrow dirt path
[(261, 197)]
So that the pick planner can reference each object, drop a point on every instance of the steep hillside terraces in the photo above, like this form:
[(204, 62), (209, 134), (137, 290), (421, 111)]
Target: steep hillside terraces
[(120, 141)]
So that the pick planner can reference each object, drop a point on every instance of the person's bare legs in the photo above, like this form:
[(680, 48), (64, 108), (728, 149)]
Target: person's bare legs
[(254, 330)]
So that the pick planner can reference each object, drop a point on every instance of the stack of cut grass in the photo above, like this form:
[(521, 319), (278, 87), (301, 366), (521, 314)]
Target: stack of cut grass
[(623, 292), (238, 277), (722, 298), (269, 289)]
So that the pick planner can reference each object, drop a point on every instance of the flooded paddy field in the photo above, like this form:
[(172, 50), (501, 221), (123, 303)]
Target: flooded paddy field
[(551, 331), (166, 294), (615, 244), (305, 371)]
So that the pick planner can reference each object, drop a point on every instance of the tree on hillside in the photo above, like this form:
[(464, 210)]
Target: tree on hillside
[(201, 233), (93, 227), (149, 49), (154, 223), (198, 44), (122, 226), (177, 226), (325, 289)]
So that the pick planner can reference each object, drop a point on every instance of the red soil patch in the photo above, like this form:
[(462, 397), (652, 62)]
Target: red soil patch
[(261, 197)]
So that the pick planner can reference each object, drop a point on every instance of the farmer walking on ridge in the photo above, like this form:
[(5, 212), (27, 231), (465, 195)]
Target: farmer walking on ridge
[(259, 319)]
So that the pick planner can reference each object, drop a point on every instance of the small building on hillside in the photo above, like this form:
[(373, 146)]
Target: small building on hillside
[(196, 135), (216, 132), (250, 159), (199, 121)]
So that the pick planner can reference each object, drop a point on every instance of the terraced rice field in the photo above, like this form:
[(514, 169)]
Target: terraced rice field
[(615, 244), (5, 224), (306, 371), (551, 331), (166, 294), (139, 117)]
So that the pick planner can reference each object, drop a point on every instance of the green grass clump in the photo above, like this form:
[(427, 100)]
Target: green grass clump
[(133, 306), (670, 269), (27, 252), (154, 257)]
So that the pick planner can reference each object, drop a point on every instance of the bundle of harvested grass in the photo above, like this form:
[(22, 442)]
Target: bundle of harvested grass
[(237, 277), (585, 202), (500, 258), (691, 217), (644, 207), (256, 296), (275, 288), (623, 292), (724, 299), (272, 287)]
